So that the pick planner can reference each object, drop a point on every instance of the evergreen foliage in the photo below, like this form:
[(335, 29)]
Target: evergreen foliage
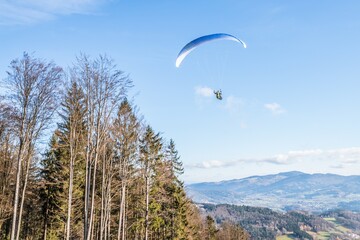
[(51, 191)]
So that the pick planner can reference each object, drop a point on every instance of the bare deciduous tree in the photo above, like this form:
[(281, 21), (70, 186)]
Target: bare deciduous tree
[(7, 157), (34, 87), (104, 87)]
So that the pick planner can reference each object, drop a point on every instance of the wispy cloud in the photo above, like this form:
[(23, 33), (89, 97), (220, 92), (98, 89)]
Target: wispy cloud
[(346, 155), (292, 156), (204, 91), (342, 156), (338, 166), (212, 164), (32, 11), (230, 103), (233, 104), (275, 108)]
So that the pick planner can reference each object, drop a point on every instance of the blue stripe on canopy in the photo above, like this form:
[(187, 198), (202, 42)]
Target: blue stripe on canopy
[(201, 40)]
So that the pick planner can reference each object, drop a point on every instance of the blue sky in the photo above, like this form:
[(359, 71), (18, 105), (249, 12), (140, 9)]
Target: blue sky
[(291, 99)]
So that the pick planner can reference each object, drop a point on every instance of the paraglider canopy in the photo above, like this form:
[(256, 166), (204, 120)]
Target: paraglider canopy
[(201, 40)]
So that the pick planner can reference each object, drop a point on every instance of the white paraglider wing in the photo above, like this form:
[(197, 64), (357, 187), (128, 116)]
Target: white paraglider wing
[(201, 40)]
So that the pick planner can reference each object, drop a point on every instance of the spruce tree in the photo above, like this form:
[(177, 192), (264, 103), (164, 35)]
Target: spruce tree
[(150, 155), (210, 228), (52, 191), (175, 194), (72, 143), (125, 132)]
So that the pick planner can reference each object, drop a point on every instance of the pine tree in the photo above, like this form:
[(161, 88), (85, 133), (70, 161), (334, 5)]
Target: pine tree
[(195, 229), (176, 201), (210, 228), (52, 191), (126, 136), (31, 226), (72, 142), (150, 154)]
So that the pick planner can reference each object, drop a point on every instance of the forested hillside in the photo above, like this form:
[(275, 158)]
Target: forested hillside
[(105, 173), (264, 223)]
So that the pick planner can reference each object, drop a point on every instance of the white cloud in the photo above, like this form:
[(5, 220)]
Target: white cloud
[(14, 14), (338, 166), (275, 108), (291, 156), (211, 164), (233, 104), (204, 91), (31, 11), (346, 155), (341, 157)]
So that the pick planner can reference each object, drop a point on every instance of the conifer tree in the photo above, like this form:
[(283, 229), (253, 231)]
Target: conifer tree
[(176, 201), (126, 135), (31, 226), (150, 154), (72, 143), (195, 229), (210, 228), (52, 191)]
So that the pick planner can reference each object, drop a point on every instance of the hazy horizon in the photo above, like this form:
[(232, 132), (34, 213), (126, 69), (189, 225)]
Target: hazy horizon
[(269, 174)]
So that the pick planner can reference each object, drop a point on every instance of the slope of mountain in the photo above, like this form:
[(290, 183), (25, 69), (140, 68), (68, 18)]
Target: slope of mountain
[(283, 191), (264, 223)]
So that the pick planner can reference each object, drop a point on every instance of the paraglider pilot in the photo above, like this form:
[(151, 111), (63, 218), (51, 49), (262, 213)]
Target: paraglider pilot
[(218, 94)]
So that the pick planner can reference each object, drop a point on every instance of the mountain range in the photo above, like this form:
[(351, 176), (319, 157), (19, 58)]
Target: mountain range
[(284, 191)]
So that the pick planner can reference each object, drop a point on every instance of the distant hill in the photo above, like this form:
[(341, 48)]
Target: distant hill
[(284, 191), (264, 223)]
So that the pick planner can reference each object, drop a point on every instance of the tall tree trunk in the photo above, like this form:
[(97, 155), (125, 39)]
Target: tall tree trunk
[(121, 215), (16, 198), (124, 216), (71, 178), (108, 229), (108, 199), (88, 157), (103, 204), (86, 197), (23, 195), (147, 208), (45, 223), (98, 132), (17, 188), (93, 194)]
